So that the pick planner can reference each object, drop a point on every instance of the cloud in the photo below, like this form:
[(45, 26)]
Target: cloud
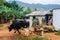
[(40, 1)]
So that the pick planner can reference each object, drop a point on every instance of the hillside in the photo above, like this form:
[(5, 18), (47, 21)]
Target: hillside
[(38, 6)]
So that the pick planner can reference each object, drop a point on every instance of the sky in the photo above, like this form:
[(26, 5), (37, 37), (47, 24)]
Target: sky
[(39, 1)]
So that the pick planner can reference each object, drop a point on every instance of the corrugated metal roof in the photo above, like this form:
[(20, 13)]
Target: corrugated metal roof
[(39, 13)]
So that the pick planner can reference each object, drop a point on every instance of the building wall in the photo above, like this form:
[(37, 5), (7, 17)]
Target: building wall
[(56, 18)]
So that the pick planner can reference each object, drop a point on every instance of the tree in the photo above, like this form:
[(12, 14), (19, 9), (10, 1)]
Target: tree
[(16, 10), (27, 11), (7, 4), (35, 9), (13, 9), (2, 2), (12, 5), (5, 13)]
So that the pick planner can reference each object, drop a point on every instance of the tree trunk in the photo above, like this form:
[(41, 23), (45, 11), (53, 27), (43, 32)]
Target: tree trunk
[(2, 20)]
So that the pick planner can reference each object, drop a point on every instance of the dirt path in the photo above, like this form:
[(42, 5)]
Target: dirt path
[(6, 35), (52, 36)]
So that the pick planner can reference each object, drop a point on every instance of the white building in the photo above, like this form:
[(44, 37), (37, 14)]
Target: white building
[(38, 14), (56, 18)]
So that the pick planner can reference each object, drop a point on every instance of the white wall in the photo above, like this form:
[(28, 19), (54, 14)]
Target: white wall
[(56, 19), (40, 18), (31, 21)]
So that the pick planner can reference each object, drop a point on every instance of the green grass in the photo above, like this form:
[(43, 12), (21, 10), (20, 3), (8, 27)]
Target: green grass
[(36, 38), (58, 33)]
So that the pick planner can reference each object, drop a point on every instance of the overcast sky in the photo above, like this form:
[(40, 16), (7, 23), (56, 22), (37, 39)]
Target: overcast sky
[(40, 1)]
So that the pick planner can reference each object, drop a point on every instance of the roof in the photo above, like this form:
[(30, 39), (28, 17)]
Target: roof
[(39, 13), (54, 9)]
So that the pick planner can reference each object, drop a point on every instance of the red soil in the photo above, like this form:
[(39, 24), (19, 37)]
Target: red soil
[(6, 35)]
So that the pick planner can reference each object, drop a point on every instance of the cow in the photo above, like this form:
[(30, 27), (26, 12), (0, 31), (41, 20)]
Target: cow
[(18, 24)]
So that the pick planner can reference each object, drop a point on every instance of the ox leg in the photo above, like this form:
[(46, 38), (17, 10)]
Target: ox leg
[(15, 31), (18, 31), (26, 32)]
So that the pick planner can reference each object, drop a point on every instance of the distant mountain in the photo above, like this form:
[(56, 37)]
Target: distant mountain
[(38, 6)]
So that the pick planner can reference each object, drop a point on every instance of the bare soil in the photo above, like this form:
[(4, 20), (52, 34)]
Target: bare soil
[(6, 35)]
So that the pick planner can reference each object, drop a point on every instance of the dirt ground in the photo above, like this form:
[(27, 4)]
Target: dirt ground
[(6, 35)]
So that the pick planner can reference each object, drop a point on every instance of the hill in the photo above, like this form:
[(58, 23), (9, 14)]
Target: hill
[(38, 6)]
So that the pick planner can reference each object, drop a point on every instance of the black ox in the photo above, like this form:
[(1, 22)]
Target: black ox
[(18, 24)]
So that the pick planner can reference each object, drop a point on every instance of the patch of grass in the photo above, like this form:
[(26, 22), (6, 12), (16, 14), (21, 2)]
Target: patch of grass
[(24, 39), (58, 33), (40, 38), (35, 38)]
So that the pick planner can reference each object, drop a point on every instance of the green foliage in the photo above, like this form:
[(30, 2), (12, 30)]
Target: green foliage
[(7, 4), (36, 38), (6, 15), (58, 33), (2, 2), (9, 9), (12, 5), (27, 11), (17, 10)]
